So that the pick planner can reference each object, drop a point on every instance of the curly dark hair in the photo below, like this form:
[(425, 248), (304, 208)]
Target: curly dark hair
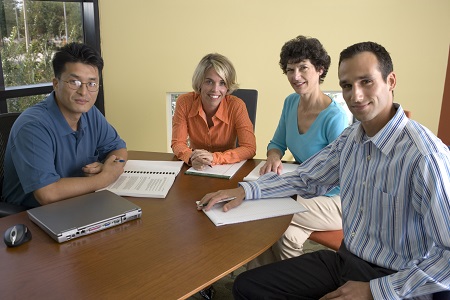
[(301, 48)]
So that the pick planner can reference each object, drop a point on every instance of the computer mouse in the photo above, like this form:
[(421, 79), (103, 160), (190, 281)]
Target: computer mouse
[(17, 235)]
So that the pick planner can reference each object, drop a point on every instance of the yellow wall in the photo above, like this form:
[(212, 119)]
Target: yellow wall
[(152, 47)]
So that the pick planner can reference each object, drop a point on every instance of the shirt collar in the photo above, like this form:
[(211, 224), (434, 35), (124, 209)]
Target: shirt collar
[(386, 138), (197, 108), (223, 108)]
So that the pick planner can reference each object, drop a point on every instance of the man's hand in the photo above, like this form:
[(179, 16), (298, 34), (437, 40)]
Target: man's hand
[(97, 167), (92, 169), (212, 198), (351, 290), (112, 168)]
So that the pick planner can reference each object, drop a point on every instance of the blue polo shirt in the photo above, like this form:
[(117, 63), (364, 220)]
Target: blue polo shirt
[(42, 148)]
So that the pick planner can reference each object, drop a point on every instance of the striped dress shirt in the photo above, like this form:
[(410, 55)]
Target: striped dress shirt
[(395, 189)]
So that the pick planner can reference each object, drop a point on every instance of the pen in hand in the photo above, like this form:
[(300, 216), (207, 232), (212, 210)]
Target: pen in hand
[(119, 160), (222, 200), (207, 163)]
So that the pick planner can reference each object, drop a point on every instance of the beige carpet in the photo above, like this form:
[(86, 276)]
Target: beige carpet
[(224, 286)]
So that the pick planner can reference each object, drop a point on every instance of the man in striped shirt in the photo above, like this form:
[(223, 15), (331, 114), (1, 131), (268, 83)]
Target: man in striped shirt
[(394, 176)]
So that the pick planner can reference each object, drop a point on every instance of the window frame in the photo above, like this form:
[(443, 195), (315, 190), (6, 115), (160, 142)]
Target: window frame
[(91, 30)]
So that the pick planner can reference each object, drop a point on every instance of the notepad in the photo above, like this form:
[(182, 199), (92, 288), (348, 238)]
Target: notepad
[(254, 174), (146, 178), (251, 210), (220, 171)]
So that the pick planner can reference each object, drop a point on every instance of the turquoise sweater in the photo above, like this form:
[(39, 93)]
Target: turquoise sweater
[(326, 128)]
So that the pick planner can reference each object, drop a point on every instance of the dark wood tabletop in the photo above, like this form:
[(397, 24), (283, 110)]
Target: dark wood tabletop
[(172, 252)]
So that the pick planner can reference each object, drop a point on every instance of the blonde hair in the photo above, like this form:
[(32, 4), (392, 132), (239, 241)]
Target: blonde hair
[(221, 65)]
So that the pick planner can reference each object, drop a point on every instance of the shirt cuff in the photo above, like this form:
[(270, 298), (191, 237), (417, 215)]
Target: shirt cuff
[(252, 190), (381, 288)]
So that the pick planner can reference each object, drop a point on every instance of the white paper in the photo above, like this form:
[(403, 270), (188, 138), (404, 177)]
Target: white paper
[(251, 210), (254, 174)]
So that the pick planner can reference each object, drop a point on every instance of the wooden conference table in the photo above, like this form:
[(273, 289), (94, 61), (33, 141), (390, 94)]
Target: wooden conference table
[(172, 252)]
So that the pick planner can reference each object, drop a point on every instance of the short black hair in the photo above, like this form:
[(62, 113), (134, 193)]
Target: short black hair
[(385, 64), (73, 53), (301, 48)]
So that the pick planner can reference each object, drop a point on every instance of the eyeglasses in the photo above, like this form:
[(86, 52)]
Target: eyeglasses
[(76, 84)]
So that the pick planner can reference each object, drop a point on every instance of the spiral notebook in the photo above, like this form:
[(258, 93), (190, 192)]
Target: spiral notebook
[(146, 178)]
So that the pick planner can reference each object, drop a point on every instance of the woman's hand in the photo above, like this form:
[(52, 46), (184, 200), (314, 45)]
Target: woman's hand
[(273, 164), (201, 159)]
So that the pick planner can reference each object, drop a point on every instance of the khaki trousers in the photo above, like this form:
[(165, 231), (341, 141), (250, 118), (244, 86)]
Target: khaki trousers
[(324, 213)]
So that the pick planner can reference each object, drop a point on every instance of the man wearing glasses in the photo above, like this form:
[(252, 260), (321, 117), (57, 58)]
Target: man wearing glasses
[(63, 146)]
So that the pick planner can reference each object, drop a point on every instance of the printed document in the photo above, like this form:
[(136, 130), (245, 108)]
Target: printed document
[(146, 178)]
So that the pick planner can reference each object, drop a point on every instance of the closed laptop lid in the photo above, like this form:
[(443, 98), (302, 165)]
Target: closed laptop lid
[(81, 211)]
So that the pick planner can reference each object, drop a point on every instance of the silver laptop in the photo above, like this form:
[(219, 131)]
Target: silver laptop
[(83, 215)]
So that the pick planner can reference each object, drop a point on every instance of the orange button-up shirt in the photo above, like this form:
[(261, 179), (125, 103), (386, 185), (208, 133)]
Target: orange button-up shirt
[(231, 121)]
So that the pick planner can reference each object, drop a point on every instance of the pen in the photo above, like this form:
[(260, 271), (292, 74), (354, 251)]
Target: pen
[(208, 164), (119, 160), (222, 200)]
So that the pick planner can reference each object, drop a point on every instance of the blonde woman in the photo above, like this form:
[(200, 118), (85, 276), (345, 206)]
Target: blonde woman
[(208, 121)]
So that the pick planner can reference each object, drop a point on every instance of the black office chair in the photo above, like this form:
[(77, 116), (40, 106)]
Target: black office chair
[(250, 98), (6, 122)]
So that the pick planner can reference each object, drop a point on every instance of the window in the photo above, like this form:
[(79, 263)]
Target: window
[(171, 98), (30, 32), (337, 96)]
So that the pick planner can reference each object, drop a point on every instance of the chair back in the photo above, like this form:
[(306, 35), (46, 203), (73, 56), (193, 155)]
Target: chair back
[(6, 122), (250, 98)]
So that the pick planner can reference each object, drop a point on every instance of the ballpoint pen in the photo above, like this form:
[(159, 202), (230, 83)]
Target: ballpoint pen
[(119, 160), (222, 200)]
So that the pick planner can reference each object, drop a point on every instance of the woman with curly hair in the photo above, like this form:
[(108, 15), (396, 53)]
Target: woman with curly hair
[(310, 120)]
